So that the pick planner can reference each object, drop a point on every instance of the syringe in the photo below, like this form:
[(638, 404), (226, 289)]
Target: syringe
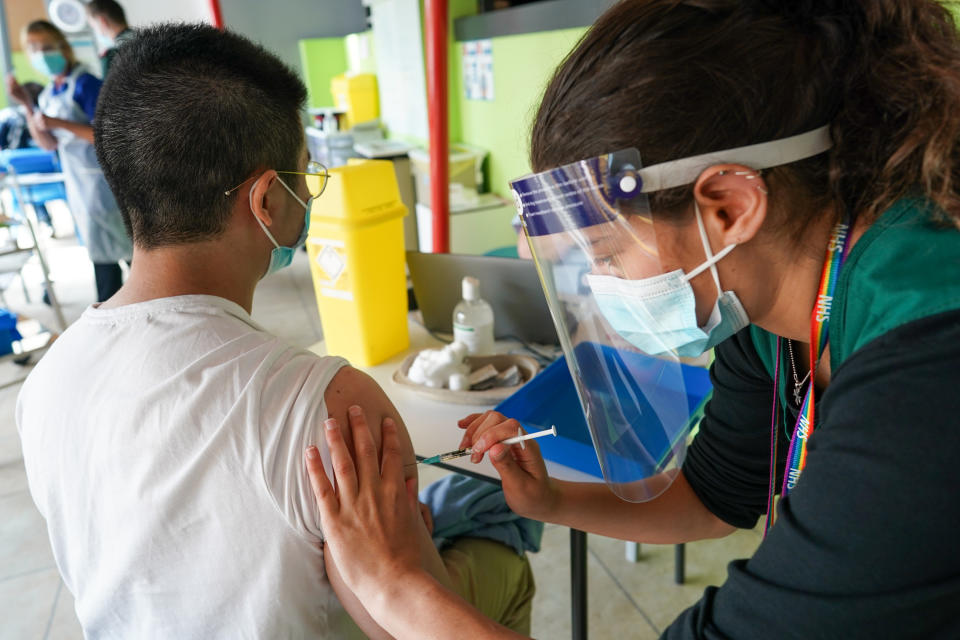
[(519, 438)]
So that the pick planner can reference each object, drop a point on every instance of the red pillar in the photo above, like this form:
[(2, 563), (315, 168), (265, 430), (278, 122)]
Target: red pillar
[(215, 14), (437, 47)]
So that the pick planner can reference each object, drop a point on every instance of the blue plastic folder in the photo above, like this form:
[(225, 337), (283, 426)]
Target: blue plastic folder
[(550, 398)]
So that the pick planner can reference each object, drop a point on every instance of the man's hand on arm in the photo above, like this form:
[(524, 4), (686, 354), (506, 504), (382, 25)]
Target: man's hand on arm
[(351, 387)]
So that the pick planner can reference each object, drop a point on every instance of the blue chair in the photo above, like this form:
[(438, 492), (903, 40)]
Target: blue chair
[(32, 160), (24, 162)]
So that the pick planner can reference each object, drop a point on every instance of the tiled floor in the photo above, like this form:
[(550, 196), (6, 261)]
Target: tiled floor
[(626, 600)]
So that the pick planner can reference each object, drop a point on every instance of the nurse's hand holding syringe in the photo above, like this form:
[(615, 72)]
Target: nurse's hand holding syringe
[(520, 438), (528, 489)]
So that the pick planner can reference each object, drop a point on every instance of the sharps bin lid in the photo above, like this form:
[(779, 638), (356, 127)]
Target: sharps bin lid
[(359, 193)]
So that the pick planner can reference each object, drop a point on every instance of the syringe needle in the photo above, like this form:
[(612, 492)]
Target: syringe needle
[(520, 438)]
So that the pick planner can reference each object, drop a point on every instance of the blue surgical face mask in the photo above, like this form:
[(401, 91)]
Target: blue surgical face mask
[(281, 257), (103, 41), (51, 63), (659, 314)]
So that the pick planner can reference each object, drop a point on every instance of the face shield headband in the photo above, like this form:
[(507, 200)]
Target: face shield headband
[(591, 220)]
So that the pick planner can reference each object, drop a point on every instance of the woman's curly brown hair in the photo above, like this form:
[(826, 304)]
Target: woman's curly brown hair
[(678, 78)]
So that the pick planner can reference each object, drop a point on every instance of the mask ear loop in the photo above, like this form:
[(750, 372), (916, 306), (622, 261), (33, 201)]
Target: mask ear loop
[(712, 259), (292, 192), (257, 218)]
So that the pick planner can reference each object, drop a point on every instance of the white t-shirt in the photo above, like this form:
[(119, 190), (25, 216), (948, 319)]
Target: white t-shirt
[(163, 443)]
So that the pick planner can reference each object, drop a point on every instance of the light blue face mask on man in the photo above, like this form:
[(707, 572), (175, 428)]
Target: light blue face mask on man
[(50, 63), (281, 257), (659, 314)]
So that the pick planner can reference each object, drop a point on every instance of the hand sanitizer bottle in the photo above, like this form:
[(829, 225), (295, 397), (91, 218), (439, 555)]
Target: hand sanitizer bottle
[(473, 320)]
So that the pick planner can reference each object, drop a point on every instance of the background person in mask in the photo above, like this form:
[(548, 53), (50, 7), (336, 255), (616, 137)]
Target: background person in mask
[(63, 121), (108, 22), (862, 235), (15, 134)]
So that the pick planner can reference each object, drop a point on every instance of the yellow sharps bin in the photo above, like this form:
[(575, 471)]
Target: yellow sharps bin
[(357, 94), (357, 261)]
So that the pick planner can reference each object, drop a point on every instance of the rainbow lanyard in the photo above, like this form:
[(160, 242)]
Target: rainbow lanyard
[(819, 330)]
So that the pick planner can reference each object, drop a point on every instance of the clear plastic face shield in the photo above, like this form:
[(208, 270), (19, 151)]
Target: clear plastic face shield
[(623, 321)]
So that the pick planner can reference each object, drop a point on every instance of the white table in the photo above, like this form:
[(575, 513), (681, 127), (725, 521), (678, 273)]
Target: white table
[(433, 429)]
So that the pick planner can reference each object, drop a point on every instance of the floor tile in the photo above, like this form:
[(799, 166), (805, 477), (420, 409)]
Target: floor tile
[(64, 624), (13, 477), (650, 582), (24, 545), (610, 613), (26, 605)]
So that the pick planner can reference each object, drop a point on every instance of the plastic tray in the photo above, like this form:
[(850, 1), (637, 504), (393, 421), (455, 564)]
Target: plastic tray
[(527, 365)]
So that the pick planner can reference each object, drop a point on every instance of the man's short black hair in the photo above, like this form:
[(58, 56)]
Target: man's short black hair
[(187, 112), (109, 9)]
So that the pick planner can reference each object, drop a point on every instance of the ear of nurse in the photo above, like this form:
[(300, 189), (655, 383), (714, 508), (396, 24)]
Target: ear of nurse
[(732, 201)]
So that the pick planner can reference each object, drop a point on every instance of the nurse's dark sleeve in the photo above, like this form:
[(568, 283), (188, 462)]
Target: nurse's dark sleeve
[(865, 545), (87, 93), (728, 463)]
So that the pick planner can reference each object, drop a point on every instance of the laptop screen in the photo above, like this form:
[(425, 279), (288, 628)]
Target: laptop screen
[(510, 285)]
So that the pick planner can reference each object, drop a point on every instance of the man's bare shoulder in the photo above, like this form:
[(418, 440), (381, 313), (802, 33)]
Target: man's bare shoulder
[(350, 387)]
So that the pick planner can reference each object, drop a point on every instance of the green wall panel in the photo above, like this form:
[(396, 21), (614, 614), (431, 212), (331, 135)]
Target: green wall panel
[(322, 59), (522, 66), (24, 72)]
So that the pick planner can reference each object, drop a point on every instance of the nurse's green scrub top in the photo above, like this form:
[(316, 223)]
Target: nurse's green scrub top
[(865, 546)]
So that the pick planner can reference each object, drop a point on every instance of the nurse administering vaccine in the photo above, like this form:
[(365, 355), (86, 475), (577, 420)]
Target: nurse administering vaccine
[(62, 120), (779, 182)]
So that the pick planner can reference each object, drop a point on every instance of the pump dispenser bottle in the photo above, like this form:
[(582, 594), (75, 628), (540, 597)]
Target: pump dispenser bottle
[(473, 320)]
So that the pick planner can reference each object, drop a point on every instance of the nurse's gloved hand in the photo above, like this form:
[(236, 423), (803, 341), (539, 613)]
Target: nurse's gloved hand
[(16, 90), (40, 121), (368, 520), (528, 489)]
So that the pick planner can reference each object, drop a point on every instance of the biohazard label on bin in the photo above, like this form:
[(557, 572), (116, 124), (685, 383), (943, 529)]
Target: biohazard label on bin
[(330, 268), (331, 263)]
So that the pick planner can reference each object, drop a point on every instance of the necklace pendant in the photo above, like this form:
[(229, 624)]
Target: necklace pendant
[(796, 392)]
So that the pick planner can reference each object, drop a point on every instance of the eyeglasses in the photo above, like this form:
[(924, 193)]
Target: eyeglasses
[(316, 178)]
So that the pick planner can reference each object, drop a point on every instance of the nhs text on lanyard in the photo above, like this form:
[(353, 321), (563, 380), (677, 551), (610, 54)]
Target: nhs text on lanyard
[(819, 329)]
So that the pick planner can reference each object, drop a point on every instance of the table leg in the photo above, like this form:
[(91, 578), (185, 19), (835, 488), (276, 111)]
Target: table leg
[(578, 583), (679, 560)]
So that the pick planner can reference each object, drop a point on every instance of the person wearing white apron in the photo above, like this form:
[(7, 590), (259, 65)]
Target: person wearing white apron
[(63, 119)]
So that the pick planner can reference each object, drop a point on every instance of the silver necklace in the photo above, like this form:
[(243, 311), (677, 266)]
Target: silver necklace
[(797, 384)]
